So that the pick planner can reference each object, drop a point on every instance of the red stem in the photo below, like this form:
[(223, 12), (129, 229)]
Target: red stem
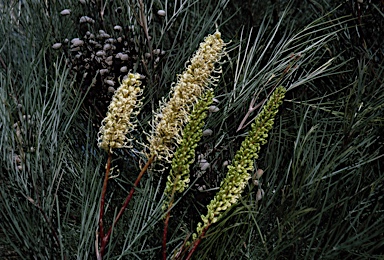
[(103, 192), (166, 230), (170, 204), (197, 243), (165, 235), (105, 238)]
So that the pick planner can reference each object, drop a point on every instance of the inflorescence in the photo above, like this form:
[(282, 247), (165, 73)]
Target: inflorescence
[(191, 84), (239, 171), (118, 122)]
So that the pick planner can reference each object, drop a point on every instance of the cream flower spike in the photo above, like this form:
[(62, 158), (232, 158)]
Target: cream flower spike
[(116, 125), (173, 115)]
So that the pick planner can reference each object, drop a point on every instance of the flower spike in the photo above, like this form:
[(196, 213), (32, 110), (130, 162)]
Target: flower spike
[(184, 156), (116, 125), (239, 171), (191, 84)]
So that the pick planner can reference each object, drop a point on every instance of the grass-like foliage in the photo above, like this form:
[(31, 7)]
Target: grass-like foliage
[(191, 130)]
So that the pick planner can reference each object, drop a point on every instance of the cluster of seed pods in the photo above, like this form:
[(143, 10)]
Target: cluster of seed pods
[(101, 55), (101, 58)]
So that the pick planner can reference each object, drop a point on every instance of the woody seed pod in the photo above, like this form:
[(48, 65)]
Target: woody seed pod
[(161, 13), (201, 188), (103, 71), (86, 19), (17, 159), (204, 166), (56, 46), (207, 132), (213, 109), (124, 57), (259, 194), (107, 47), (225, 163), (100, 53), (110, 40), (118, 28), (259, 173), (77, 42), (65, 12), (109, 58), (109, 82)]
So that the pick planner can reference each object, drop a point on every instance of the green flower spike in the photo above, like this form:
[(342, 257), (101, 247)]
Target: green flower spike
[(117, 123), (239, 171), (172, 116), (184, 156)]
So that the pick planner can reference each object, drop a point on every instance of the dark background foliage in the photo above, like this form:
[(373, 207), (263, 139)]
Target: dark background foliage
[(323, 164)]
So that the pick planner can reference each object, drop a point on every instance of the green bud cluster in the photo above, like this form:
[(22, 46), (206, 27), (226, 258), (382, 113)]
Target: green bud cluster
[(239, 171), (184, 156)]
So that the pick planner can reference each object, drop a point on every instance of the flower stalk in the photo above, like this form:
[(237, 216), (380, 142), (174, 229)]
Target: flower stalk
[(113, 134), (106, 237), (238, 174)]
